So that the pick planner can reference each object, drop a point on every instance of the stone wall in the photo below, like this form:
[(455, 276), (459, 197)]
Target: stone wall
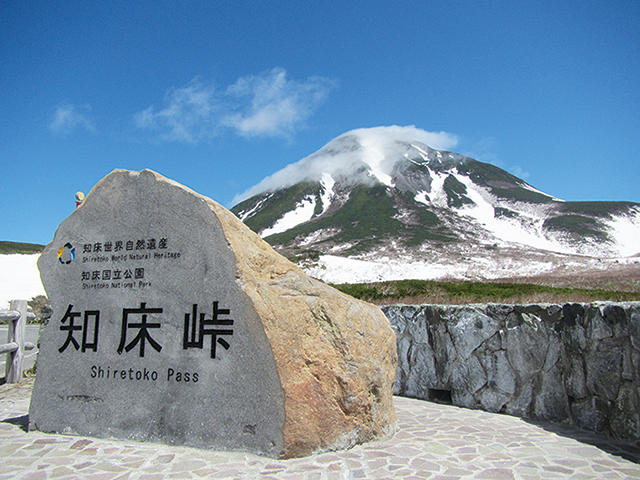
[(572, 363)]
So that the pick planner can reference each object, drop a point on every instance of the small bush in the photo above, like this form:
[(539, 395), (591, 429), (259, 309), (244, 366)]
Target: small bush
[(41, 308)]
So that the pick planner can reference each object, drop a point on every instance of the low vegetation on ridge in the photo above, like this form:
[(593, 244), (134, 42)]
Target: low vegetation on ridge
[(456, 293), (7, 248)]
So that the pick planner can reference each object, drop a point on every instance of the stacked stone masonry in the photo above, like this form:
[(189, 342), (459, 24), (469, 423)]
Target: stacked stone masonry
[(575, 363)]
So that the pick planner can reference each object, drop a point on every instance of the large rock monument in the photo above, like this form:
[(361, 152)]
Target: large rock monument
[(175, 323)]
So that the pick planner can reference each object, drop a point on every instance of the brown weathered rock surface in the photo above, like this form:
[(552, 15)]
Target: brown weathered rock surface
[(336, 356)]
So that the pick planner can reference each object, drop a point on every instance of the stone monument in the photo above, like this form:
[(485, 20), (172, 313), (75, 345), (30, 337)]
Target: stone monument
[(175, 323)]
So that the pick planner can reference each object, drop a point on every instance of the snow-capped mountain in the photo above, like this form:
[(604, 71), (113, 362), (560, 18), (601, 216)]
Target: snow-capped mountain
[(380, 204)]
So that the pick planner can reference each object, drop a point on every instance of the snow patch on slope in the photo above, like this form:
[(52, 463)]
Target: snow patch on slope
[(626, 231), (244, 215), (327, 183), (302, 213), (507, 229), (423, 154), (438, 195), (422, 197)]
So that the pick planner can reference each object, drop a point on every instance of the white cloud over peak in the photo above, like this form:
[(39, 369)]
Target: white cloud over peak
[(386, 137), (69, 116), (378, 147), (268, 104)]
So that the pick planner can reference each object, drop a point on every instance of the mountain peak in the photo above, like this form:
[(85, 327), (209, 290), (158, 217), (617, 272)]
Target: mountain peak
[(363, 153)]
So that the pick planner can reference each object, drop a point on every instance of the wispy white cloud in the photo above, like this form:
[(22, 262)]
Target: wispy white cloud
[(519, 172), (269, 104), (67, 117), (275, 105), (189, 114), (483, 150)]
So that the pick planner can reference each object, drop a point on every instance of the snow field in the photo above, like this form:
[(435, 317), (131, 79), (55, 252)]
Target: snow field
[(626, 231), (334, 269), (19, 278)]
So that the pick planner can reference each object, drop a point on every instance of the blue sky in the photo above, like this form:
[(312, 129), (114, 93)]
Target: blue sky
[(219, 94)]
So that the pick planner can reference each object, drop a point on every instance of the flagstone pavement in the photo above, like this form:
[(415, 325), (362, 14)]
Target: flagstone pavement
[(433, 441)]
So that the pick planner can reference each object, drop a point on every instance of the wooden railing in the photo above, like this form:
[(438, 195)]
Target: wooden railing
[(16, 345)]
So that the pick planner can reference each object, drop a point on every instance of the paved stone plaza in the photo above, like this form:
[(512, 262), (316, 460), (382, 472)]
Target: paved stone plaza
[(433, 441)]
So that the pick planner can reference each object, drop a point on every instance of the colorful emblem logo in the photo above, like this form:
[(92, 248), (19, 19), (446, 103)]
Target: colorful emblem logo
[(66, 254)]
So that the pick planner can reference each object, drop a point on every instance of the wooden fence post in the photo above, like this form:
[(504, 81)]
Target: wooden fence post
[(16, 335)]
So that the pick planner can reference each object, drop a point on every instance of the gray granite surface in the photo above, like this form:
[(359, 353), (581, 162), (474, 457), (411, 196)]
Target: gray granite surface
[(573, 363), (151, 337)]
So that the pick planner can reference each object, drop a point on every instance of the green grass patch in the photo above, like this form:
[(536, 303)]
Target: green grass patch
[(274, 208), (483, 173), (598, 209), (577, 225), (499, 212), (501, 183), (456, 192), (366, 218), (22, 248)]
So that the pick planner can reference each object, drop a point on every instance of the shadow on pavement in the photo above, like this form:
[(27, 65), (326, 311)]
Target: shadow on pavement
[(22, 422), (627, 449)]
